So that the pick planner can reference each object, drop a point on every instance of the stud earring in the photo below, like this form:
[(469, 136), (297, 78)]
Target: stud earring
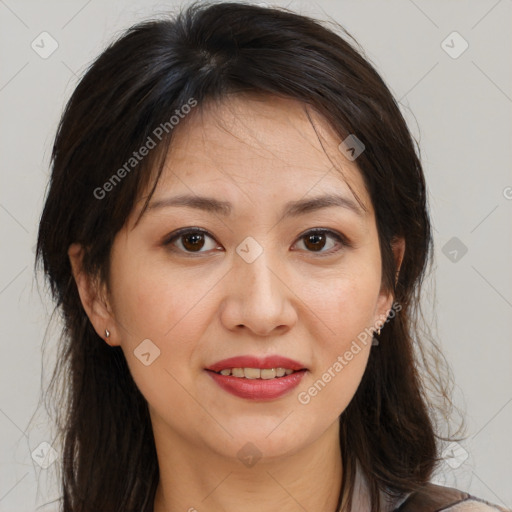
[(375, 341), (107, 333)]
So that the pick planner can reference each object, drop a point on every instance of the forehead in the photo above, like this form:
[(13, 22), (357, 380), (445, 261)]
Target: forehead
[(259, 148)]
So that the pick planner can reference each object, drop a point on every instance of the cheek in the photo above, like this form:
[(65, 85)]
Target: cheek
[(329, 392), (341, 356), (151, 305), (154, 301), (168, 307), (345, 305)]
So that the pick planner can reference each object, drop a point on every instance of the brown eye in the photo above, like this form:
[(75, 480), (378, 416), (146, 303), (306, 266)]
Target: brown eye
[(193, 242), (190, 241), (317, 240)]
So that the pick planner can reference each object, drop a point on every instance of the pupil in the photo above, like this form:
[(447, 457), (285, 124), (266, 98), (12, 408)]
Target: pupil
[(197, 237), (315, 237)]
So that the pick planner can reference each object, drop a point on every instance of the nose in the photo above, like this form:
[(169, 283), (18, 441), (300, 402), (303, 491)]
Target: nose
[(259, 297)]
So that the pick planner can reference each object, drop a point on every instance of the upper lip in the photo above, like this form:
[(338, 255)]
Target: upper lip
[(273, 361)]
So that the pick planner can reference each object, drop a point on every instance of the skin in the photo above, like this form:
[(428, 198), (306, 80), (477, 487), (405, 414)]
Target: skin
[(199, 308)]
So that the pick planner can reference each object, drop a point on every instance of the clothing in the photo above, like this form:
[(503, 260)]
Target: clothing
[(433, 498), (436, 498)]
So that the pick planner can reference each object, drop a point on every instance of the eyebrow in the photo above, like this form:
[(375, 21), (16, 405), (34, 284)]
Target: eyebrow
[(291, 209)]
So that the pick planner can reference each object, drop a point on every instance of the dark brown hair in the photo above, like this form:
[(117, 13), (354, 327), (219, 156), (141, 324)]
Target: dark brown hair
[(206, 52)]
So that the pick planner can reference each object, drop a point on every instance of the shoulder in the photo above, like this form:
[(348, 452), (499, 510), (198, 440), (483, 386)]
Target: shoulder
[(474, 505), (436, 498)]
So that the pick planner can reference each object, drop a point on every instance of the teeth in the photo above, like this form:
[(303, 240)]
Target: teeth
[(252, 373), (257, 373), (237, 372), (268, 373)]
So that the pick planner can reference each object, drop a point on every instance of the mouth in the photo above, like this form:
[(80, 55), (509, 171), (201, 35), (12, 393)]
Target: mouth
[(257, 378)]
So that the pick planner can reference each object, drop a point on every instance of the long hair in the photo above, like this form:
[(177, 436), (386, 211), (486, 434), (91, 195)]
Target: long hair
[(205, 52)]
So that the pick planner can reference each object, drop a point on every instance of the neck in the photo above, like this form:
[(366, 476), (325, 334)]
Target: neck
[(194, 478)]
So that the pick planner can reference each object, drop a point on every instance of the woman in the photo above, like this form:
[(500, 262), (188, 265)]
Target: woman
[(236, 232)]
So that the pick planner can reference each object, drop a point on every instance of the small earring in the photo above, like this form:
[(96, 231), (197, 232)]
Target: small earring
[(107, 333), (375, 341)]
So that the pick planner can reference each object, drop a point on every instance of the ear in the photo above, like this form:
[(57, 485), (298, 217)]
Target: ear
[(94, 298), (385, 301)]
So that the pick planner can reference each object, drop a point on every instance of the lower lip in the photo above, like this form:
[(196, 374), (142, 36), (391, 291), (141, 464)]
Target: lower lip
[(257, 389)]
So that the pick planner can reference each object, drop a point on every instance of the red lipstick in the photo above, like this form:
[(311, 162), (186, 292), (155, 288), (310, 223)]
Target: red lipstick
[(257, 389)]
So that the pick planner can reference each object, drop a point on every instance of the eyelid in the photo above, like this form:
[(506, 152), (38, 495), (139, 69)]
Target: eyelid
[(175, 234)]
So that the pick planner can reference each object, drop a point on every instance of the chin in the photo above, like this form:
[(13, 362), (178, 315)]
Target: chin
[(263, 442)]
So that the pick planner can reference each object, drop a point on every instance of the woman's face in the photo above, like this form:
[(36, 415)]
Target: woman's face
[(254, 281)]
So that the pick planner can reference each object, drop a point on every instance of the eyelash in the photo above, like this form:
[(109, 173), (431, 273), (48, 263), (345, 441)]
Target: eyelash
[(341, 239)]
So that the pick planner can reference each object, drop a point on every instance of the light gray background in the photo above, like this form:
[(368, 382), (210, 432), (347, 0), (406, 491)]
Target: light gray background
[(459, 108)]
